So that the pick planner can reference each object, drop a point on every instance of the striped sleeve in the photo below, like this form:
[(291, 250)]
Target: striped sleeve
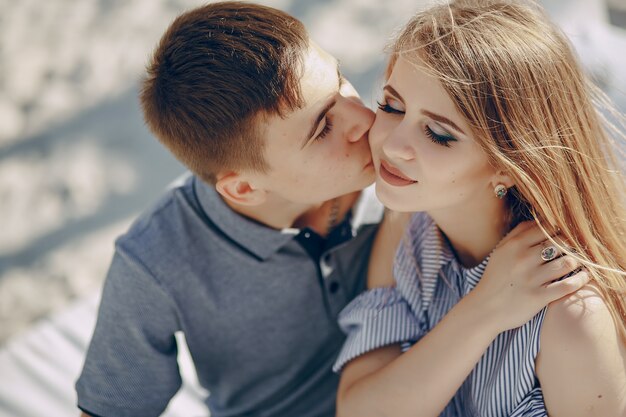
[(377, 318), (532, 405)]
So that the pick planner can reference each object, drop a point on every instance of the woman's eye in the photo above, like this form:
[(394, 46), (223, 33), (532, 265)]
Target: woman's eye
[(387, 108), (438, 138)]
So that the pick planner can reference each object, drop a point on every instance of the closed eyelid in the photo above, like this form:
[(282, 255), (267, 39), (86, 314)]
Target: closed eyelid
[(392, 102), (436, 127), (390, 91), (389, 97)]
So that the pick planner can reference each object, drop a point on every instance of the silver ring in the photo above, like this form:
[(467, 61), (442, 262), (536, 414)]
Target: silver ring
[(548, 253)]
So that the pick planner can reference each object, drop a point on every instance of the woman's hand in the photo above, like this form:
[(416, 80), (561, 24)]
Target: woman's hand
[(518, 283)]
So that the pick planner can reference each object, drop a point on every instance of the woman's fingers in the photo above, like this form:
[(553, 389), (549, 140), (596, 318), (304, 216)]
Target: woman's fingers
[(534, 236), (556, 269), (559, 289), (546, 251)]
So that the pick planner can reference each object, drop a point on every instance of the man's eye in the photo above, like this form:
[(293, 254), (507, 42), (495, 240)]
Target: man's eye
[(327, 129), (388, 109)]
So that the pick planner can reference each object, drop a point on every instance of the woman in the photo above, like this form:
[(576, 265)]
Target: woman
[(486, 121)]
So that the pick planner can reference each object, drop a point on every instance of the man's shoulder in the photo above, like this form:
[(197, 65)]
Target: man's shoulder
[(165, 224)]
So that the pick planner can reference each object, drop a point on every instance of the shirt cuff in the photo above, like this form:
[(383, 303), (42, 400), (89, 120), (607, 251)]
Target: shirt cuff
[(378, 317)]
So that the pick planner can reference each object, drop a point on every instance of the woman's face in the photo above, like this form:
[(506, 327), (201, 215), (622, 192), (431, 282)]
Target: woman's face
[(424, 155)]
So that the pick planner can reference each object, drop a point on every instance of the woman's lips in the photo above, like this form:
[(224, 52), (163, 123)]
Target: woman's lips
[(394, 176)]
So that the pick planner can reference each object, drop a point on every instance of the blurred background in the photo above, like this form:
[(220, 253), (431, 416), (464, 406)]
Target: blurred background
[(76, 162)]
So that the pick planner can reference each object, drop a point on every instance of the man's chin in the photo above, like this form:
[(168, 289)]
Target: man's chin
[(370, 177)]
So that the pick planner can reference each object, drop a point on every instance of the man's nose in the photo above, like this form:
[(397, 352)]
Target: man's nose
[(360, 118)]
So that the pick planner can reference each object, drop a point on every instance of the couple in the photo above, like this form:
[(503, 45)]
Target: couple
[(485, 131)]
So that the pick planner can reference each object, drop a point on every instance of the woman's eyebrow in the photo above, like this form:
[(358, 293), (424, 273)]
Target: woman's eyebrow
[(442, 119), (439, 118)]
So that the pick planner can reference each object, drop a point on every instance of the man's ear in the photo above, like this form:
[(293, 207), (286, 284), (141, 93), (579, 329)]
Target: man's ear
[(501, 177), (238, 189)]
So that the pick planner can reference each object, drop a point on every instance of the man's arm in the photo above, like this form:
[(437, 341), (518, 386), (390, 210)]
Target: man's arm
[(131, 363), (582, 361)]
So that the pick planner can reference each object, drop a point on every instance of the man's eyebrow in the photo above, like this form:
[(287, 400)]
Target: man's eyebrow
[(434, 116), (329, 104)]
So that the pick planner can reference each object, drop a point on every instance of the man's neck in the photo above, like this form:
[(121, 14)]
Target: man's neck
[(282, 214), (324, 217)]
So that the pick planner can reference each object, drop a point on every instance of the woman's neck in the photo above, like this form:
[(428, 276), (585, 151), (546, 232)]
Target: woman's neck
[(473, 232)]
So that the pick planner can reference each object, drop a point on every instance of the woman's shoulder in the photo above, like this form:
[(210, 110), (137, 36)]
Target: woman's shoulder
[(578, 318), (582, 349)]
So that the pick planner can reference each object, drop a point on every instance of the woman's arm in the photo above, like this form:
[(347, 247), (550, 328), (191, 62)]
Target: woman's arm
[(390, 232), (424, 379), (421, 381), (582, 360)]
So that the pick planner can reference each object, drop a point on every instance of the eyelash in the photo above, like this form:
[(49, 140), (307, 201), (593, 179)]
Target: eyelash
[(438, 139), (388, 109), (327, 129)]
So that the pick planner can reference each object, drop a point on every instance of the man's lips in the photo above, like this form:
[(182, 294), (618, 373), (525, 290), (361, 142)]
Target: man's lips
[(393, 175)]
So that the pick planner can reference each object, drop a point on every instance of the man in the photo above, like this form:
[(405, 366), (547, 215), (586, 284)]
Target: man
[(256, 254)]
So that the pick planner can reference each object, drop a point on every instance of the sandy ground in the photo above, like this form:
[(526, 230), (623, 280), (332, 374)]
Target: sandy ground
[(76, 162)]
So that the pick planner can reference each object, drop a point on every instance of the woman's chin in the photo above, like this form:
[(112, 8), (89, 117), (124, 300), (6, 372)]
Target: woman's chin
[(391, 201)]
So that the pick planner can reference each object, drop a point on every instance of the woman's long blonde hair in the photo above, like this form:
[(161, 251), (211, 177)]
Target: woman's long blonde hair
[(514, 77)]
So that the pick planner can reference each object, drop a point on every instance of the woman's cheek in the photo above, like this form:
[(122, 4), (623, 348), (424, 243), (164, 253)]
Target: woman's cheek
[(379, 131)]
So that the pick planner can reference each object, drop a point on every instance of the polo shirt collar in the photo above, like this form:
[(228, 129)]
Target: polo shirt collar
[(260, 240)]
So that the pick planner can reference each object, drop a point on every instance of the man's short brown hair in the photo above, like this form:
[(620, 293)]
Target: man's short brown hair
[(216, 72)]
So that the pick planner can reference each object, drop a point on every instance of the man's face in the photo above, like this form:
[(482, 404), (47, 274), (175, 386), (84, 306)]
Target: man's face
[(320, 151)]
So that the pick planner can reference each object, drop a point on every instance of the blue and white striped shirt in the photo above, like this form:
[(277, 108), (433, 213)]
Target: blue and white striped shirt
[(429, 282)]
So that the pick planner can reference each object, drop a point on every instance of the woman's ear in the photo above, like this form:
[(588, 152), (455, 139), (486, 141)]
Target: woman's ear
[(239, 189), (501, 177)]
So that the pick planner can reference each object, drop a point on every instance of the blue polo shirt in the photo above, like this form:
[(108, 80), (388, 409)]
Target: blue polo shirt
[(258, 307)]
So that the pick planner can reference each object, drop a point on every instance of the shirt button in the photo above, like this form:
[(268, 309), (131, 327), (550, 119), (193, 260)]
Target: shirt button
[(325, 266), (307, 235), (333, 287)]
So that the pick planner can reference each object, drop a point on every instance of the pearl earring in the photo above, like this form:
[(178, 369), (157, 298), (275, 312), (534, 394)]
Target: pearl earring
[(500, 190)]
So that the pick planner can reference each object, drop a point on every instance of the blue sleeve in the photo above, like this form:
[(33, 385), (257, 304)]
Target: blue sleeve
[(377, 318), (532, 405), (131, 365)]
